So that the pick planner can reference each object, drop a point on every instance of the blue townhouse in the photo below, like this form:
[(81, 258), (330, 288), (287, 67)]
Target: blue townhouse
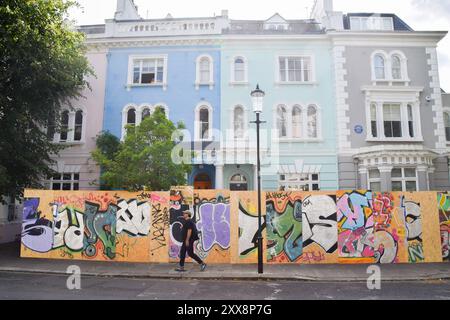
[(171, 64)]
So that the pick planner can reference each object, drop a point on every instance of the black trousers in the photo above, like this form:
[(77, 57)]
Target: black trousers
[(190, 251)]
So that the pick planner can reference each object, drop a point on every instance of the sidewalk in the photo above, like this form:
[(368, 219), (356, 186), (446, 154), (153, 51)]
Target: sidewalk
[(11, 262)]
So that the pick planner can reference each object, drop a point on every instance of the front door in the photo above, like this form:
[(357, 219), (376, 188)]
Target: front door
[(202, 182)]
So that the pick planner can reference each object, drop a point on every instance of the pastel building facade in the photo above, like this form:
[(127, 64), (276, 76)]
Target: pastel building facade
[(291, 61), (171, 64), (390, 115), (346, 106)]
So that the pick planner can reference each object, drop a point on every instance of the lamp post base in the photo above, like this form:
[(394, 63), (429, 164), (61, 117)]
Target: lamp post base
[(260, 256)]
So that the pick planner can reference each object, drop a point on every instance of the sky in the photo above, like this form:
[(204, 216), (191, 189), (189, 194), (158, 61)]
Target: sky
[(421, 15)]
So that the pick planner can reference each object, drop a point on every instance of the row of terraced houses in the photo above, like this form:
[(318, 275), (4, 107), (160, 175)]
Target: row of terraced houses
[(353, 101)]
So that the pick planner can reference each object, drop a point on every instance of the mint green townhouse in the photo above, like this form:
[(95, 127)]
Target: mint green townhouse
[(291, 60)]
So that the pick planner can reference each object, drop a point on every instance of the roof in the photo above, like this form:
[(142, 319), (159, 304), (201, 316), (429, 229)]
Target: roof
[(258, 27), (399, 24)]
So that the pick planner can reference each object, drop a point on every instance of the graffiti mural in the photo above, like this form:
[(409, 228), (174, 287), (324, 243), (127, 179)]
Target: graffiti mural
[(319, 223), (297, 227), (413, 224), (444, 220), (212, 210), (181, 199), (284, 227), (37, 231), (386, 241), (94, 226), (100, 230), (355, 227)]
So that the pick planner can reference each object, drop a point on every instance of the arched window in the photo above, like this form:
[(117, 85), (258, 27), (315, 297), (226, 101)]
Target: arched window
[(239, 70), (281, 121), (204, 123), (146, 113), (131, 117), (396, 67), (312, 122), (205, 70), (297, 122), (379, 64), (447, 125), (238, 122), (161, 109), (238, 182), (78, 125), (64, 125)]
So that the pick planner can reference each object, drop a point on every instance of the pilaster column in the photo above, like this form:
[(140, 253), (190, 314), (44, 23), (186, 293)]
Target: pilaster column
[(431, 182), (362, 184), (219, 176), (385, 178), (422, 177)]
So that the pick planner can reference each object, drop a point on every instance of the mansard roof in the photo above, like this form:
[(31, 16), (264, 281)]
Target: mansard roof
[(306, 26), (399, 24)]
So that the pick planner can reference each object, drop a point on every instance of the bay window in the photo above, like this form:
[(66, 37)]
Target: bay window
[(398, 121), (374, 180), (392, 120), (404, 179)]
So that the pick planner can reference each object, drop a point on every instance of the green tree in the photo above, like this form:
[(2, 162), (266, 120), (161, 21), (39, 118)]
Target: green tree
[(144, 159), (42, 68)]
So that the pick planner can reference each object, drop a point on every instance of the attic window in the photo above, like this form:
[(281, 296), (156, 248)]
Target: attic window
[(372, 23)]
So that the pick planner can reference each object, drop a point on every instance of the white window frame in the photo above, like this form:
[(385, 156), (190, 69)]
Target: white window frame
[(370, 23), (71, 127), (304, 120), (388, 67), (50, 182), (197, 121), (402, 96), (404, 121), (133, 58), (405, 179), (312, 73), (198, 82), (233, 80), (296, 181), (233, 109), (373, 180), (446, 110)]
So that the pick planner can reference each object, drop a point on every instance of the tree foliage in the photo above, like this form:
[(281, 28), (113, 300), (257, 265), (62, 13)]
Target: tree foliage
[(42, 68), (143, 160)]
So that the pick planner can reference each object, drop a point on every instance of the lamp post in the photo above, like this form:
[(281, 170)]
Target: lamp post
[(257, 100)]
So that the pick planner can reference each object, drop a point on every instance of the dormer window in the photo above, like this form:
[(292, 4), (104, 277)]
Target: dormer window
[(372, 23)]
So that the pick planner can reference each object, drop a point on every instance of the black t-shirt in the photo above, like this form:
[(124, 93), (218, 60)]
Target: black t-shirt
[(189, 224)]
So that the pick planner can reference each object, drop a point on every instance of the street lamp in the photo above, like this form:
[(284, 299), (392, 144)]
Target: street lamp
[(257, 100)]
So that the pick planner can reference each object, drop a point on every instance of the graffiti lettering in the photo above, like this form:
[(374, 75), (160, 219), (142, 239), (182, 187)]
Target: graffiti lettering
[(133, 218), (100, 226), (319, 222)]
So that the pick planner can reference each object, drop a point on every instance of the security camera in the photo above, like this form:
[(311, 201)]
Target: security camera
[(428, 98)]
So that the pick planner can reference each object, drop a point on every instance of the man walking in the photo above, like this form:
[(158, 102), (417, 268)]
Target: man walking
[(190, 235)]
